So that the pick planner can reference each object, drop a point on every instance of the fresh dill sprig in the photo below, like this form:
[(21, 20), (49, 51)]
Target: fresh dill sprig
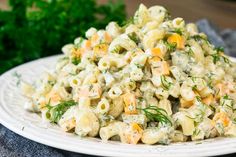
[(189, 51), (55, 113), (156, 114), (218, 56), (165, 84), (176, 30), (199, 99), (199, 38), (171, 47), (229, 102)]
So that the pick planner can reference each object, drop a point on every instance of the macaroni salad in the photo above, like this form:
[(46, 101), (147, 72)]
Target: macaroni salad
[(154, 80)]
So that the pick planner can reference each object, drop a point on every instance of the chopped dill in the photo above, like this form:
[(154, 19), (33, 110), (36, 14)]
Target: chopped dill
[(156, 114), (219, 49), (176, 30), (165, 84), (171, 47), (55, 113)]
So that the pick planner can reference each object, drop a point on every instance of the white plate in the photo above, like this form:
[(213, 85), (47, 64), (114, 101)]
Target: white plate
[(29, 125)]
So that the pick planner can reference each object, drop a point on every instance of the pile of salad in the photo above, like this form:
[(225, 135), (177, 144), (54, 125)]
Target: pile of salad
[(154, 80)]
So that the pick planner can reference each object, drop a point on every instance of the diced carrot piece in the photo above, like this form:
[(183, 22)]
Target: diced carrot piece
[(136, 127), (130, 103), (222, 117), (185, 104), (176, 38), (208, 100)]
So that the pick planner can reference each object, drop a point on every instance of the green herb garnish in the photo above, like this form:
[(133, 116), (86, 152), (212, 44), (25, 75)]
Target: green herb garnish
[(75, 60), (133, 36), (194, 87), (165, 84), (219, 49), (176, 30), (199, 38), (171, 47), (156, 114), (189, 51), (218, 56), (55, 113), (199, 99)]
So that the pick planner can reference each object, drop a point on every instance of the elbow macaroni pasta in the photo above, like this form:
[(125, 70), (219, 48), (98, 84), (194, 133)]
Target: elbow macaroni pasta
[(154, 80)]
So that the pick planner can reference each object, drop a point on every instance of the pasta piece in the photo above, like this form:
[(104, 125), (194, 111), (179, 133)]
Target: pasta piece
[(139, 119), (158, 13), (191, 29), (68, 121), (116, 107), (178, 136), (103, 106), (178, 22), (122, 41), (185, 122), (131, 134), (114, 92), (86, 123), (155, 135), (187, 92), (114, 29), (111, 130), (141, 16), (90, 32), (166, 105), (152, 37)]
